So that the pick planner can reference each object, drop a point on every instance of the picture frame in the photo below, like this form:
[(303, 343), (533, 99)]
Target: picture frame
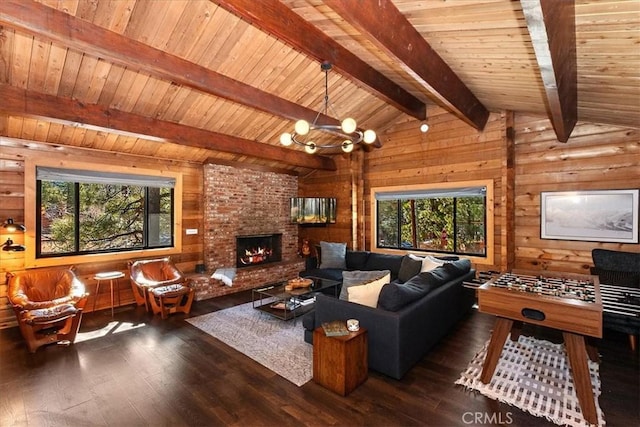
[(313, 210), (594, 215)]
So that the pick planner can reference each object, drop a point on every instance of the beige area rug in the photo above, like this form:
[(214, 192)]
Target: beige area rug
[(534, 376), (276, 344)]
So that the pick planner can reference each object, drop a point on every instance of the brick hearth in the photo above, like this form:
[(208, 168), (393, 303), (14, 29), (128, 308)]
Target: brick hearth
[(246, 202)]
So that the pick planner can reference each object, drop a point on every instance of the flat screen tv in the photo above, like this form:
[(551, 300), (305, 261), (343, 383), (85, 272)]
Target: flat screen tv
[(313, 210)]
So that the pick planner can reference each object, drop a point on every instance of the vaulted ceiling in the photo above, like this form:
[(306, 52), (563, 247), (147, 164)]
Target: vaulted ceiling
[(220, 80)]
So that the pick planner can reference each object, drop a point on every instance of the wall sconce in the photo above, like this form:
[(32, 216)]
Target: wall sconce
[(11, 227), (10, 246)]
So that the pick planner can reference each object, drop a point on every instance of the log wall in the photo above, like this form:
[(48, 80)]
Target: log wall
[(12, 159), (519, 153), (451, 151), (343, 184), (596, 157)]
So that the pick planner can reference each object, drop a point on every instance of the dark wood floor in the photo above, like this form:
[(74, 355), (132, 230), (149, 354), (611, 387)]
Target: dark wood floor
[(145, 371)]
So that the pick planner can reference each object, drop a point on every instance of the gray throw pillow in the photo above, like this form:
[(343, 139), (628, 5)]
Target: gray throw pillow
[(333, 255), (358, 277)]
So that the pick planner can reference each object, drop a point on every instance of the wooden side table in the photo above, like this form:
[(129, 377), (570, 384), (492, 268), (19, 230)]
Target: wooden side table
[(340, 363), (110, 276)]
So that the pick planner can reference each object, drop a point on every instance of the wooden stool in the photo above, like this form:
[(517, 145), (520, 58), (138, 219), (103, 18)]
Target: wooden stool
[(340, 363), (165, 300)]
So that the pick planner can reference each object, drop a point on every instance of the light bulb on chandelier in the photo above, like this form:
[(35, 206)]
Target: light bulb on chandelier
[(347, 131)]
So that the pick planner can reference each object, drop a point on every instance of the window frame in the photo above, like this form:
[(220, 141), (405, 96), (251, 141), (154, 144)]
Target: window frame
[(487, 259), (31, 205)]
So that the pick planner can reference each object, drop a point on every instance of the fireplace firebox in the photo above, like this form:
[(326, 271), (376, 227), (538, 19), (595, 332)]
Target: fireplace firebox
[(258, 249)]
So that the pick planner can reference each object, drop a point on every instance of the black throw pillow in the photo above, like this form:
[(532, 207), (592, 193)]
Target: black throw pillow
[(409, 267)]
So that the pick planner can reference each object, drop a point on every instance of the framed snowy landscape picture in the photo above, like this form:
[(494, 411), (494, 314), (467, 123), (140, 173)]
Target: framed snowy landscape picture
[(597, 215)]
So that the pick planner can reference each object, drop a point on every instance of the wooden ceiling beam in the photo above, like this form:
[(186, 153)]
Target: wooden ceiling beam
[(43, 21), (390, 30), (274, 17), (72, 112), (552, 27)]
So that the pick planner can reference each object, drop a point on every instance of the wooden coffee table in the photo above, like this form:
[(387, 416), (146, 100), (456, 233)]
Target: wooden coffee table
[(568, 302)]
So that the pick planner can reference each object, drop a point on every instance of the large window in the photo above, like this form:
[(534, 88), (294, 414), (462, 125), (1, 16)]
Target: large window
[(450, 220), (86, 212)]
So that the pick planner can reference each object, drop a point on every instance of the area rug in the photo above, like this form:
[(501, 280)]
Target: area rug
[(276, 344), (534, 376)]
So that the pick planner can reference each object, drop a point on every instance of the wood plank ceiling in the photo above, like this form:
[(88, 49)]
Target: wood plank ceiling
[(220, 80)]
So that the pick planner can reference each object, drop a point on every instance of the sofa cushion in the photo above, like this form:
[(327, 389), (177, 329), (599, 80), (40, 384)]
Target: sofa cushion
[(377, 261), (612, 260), (394, 296), (457, 268), (333, 255), (368, 293), (358, 277), (409, 267), (630, 279), (356, 260)]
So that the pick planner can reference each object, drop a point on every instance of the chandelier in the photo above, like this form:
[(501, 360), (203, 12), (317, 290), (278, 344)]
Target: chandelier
[(347, 131)]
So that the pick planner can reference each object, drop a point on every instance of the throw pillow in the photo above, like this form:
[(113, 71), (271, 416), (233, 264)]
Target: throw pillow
[(333, 255), (429, 263), (368, 293), (395, 296), (357, 277), (409, 268), (225, 274)]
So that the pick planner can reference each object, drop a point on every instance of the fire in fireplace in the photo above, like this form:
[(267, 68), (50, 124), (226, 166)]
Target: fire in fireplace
[(258, 249)]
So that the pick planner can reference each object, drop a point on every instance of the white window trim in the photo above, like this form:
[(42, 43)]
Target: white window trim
[(490, 239)]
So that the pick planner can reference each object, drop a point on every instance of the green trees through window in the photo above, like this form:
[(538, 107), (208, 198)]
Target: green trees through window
[(89, 217), (450, 221)]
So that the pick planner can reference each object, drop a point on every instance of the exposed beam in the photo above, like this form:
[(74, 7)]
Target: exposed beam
[(46, 22), (34, 104), (552, 27), (274, 17), (390, 30)]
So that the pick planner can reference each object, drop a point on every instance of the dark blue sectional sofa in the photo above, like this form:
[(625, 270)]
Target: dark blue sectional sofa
[(417, 313)]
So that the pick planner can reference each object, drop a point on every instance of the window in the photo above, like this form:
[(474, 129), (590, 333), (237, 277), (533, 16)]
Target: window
[(87, 212), (448, 220)]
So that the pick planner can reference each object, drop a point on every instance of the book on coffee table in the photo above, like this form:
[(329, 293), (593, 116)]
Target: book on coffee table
[(335, 328)]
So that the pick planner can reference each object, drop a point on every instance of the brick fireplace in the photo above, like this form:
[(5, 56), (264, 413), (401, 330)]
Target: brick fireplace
[(245, 202)]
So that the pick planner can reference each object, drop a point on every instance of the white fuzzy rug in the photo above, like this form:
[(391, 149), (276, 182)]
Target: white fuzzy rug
[(276, 344), (534, 375)]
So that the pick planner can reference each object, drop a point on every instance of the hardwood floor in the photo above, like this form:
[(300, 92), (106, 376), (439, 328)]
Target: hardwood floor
[(140, 370)]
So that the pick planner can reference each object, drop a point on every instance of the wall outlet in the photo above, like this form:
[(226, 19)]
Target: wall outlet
[(191, 231)]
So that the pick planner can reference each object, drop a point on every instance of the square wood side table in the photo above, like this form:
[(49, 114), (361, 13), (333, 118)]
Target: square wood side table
[(340, 363)]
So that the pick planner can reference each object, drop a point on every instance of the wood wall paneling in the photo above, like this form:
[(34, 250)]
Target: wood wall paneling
[(522, 156), (12, 185), (595, 157), (336, 184)]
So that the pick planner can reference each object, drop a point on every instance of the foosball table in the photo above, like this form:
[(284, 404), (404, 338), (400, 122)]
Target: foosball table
[(568, 302)]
